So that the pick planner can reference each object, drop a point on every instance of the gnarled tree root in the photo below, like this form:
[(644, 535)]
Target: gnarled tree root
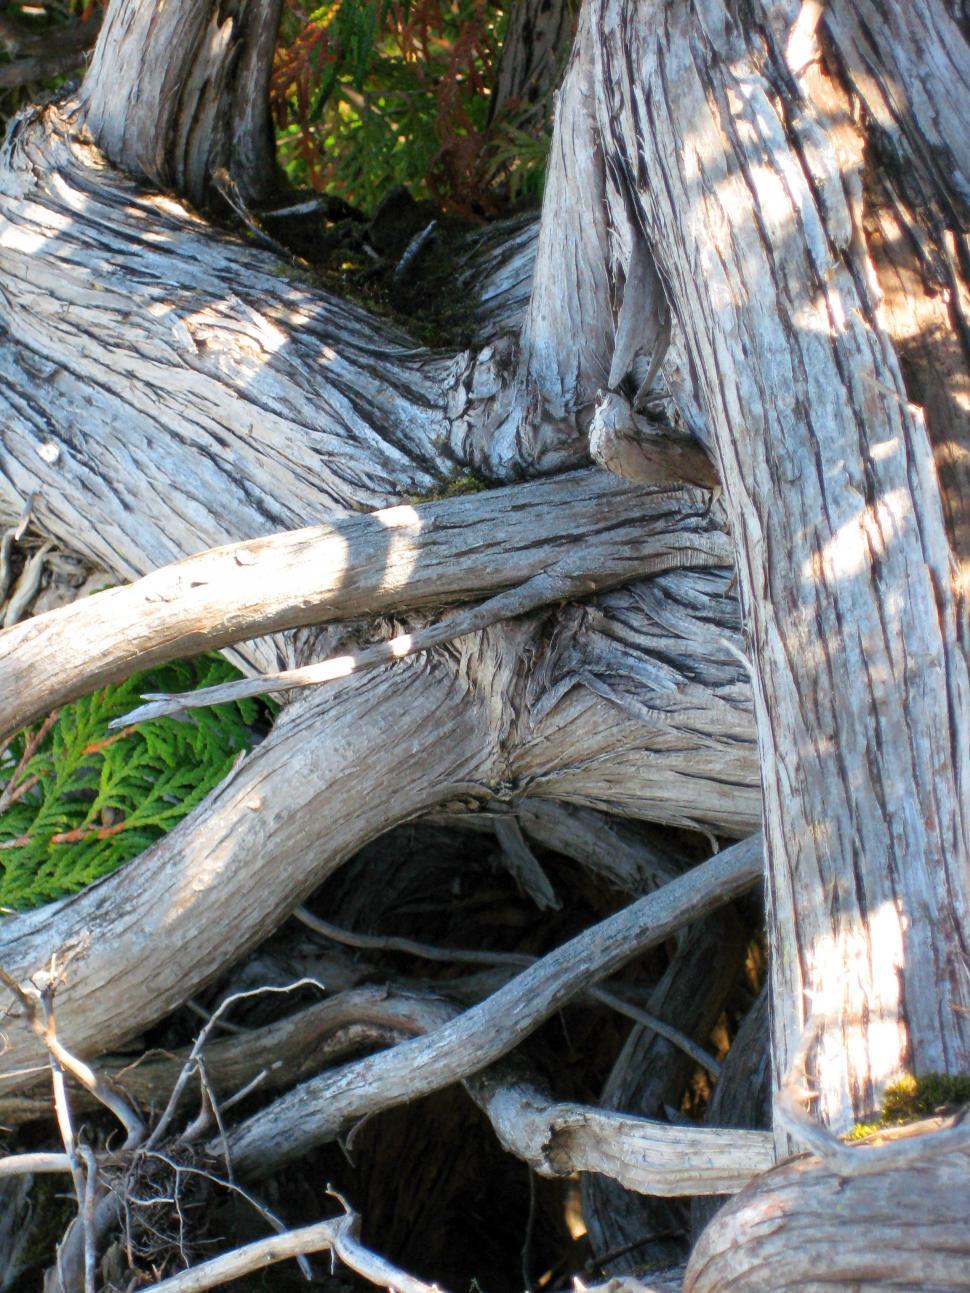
[(803, 1225)]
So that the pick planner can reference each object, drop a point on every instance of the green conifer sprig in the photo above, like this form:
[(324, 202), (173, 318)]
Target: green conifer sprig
[(77, 801)]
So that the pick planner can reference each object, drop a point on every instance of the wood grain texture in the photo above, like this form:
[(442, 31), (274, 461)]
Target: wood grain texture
[(178, 92), (137, 943), (802, 1225), (400, 559), (318, 1110), (844, 558), (653, 1157)]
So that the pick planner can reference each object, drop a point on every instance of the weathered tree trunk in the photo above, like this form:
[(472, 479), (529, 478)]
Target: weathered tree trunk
[(747, 185), (241, 403), (752, 233)]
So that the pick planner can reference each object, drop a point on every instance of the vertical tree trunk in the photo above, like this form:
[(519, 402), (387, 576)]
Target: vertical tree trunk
[(750, 198), (178, 92)]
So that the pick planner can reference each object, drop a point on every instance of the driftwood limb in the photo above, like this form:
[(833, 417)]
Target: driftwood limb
[(29, 1164), (805, 1224), (287, 1051), (398, 559), (651, 1157), (228, 865), (339, 1236), (476, 956), (649, 1077), (553, 585), (619, 726), (322, 1107)]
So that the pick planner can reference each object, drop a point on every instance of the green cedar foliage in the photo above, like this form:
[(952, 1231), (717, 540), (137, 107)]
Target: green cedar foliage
[(79, 801), (369, 94)]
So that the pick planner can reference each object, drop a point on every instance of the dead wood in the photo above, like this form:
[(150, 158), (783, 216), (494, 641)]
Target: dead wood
[(124, 942), (801, 390), (400, 559), (321, 1108), (597, 743), (649, 1079), (476, 956), (166, 393), (803, 1223), (742, 1096), (649, 1156)]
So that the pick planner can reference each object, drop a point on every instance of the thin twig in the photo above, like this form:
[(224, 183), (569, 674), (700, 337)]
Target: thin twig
[(270, 1217), (30, 749), (372, 1266), (206, 1015), (99, 1087), (189, 1067), (427, 952), (248, 1089), (339, 1235), (541, 590), (87, 1213), (213, 1103), (62, 1110), (34, 1164), (527, 1240)]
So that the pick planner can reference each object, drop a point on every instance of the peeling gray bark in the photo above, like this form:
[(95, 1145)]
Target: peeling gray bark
[(166, 391), (386, 563), (179, 92), (844, 557)]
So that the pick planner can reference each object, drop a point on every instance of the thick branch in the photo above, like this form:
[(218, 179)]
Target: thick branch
[(845, 567), (404, 558), (803, 1224), (176, 93), (274, 1056), (137, 943), (654, 1158)]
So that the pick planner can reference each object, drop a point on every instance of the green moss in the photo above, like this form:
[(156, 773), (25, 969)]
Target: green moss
[(913, 1098), (295, 273), (463, 483)]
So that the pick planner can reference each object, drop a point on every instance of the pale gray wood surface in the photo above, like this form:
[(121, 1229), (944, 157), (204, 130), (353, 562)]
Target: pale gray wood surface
[(401, 559), (858, 629), (804, 1226)]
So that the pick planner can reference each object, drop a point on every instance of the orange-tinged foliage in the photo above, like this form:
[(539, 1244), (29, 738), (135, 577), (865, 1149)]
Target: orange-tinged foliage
[(369, 93)]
